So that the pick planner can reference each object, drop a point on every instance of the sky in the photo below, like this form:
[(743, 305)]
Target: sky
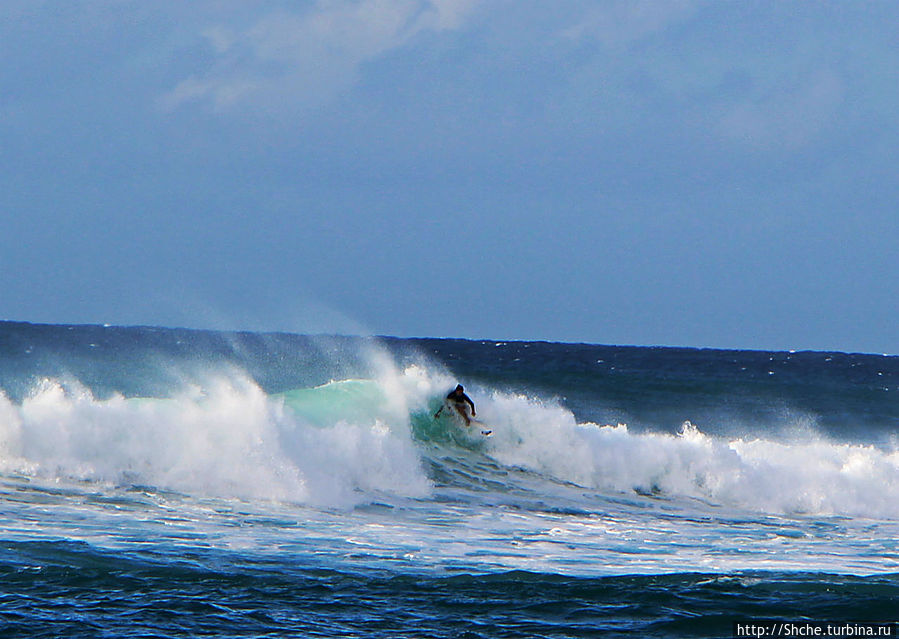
[(678, 172)]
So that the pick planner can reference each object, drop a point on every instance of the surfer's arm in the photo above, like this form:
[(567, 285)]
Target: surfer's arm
[(439, 410), (470, 403)]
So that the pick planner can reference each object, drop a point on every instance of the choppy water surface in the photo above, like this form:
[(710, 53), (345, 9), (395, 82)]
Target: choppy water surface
[(159, 482)]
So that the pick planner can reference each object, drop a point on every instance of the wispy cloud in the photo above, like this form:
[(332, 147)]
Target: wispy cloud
[(622, 22), (788, 118), (300, 60)]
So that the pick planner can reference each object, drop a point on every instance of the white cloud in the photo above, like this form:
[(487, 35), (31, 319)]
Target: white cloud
[(289, 60), (623, 22), (785, 119)]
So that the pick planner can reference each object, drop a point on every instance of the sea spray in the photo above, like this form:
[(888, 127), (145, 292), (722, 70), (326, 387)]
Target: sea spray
[(227, 438), (169, 482), (814, 475)]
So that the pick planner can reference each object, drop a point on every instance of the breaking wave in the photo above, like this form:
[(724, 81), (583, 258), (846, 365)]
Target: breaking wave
[(354, 441)]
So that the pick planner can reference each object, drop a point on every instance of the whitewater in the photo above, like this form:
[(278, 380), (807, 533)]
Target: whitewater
[(253, 485)]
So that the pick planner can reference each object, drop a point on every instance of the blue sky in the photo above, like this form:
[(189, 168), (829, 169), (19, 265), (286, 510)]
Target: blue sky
[(718, 174)]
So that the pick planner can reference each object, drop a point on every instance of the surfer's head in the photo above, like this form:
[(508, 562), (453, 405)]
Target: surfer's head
[(459, 388)]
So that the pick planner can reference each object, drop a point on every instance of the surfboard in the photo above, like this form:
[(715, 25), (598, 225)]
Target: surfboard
[(450, 409), (485, 430)]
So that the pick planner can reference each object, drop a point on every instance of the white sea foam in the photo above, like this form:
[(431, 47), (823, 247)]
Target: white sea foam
[(812, 475), (226, 439), (229, 438)]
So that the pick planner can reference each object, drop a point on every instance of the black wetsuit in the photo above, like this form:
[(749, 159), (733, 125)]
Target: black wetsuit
[(458, 397)]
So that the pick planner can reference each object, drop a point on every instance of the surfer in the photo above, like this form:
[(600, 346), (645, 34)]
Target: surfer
[(457, 399)]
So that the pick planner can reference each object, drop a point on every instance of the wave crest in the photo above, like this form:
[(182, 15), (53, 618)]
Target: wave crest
[(227, 438)]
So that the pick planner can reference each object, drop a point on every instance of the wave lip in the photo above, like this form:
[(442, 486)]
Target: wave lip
[(813, 475), (356, 440), (228, 439)]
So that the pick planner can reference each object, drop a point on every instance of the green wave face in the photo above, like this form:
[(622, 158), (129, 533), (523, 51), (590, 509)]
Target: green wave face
[(364, 401), (352, 400)]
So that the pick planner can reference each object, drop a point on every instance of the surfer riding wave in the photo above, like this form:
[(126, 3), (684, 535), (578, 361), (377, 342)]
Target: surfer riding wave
[(460, 402)]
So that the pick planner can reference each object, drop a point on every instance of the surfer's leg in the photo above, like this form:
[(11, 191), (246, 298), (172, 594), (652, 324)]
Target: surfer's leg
[(463, 414)]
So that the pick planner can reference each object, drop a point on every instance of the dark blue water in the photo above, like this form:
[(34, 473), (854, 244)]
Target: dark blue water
[(75, 590), (159, 482)]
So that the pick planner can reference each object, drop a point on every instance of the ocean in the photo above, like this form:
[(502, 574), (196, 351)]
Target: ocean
[(160, 482)]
